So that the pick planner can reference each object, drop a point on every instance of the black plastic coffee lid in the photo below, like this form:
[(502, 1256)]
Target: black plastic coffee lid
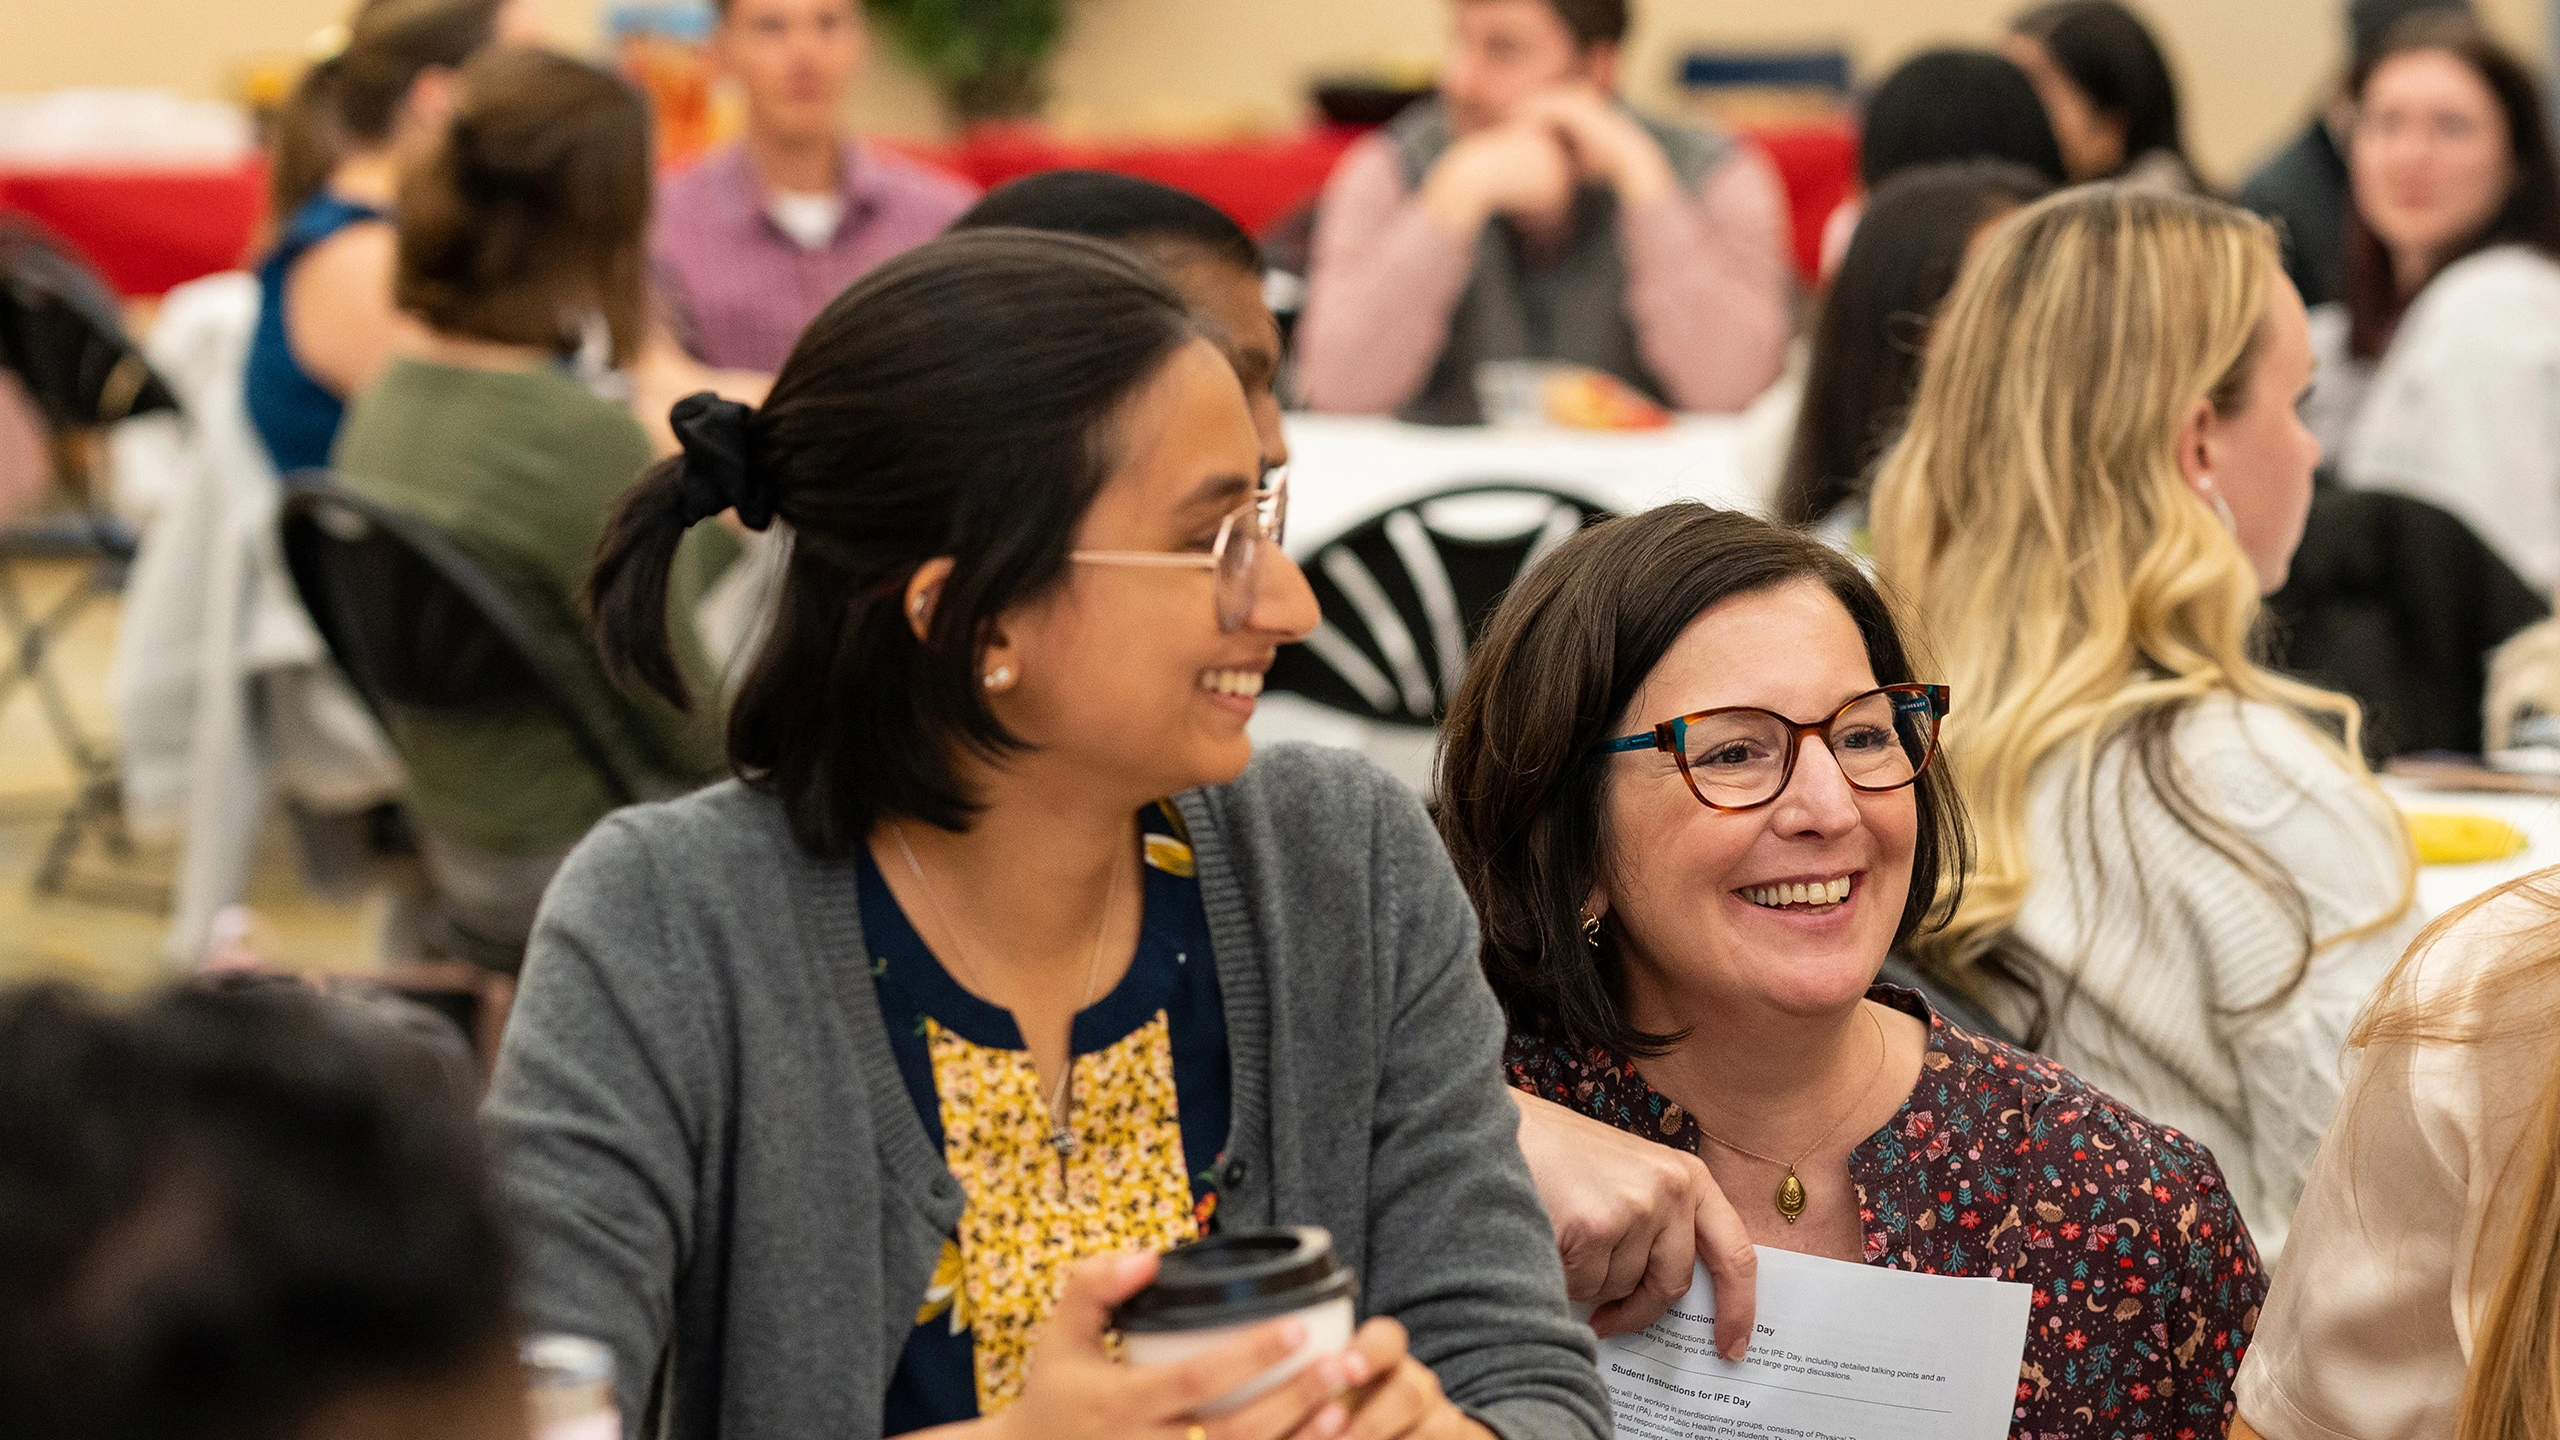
[(1235, 1278)]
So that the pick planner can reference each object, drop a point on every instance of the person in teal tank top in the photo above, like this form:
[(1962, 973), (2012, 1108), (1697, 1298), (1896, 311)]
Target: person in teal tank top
[(326, 326)]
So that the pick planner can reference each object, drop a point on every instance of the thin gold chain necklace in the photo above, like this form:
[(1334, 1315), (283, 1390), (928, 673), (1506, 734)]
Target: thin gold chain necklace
[(1062, 1136), (1790, 1200)]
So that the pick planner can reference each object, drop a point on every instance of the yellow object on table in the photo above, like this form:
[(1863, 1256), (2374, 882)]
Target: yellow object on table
[(2451, 837)]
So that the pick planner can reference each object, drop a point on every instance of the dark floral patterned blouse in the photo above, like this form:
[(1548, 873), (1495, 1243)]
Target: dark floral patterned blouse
[(2004, 1164)]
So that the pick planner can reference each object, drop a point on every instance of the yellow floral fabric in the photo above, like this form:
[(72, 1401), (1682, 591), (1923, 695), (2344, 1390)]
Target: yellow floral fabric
[(1125, 1185)]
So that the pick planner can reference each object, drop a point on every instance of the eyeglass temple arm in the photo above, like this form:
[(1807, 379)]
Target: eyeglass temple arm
[(1143, 557), (1625, 743)]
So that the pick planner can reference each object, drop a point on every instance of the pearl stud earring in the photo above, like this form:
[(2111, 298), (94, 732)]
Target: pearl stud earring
[(999, 677)]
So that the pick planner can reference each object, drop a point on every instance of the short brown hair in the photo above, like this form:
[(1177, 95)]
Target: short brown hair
[(533, 212), (1592, 21), (1521, 777)]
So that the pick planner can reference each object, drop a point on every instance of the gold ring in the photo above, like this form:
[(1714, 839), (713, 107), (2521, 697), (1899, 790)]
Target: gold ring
[(1196, 1432)]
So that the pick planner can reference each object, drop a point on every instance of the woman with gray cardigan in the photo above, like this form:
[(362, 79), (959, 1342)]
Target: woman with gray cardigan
[(850, 1097)]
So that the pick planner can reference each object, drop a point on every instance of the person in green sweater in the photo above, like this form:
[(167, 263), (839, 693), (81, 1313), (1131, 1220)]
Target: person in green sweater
[(520, 235)]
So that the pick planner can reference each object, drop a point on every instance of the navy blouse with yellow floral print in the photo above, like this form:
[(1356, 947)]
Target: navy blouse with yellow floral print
[(2004, 1164)]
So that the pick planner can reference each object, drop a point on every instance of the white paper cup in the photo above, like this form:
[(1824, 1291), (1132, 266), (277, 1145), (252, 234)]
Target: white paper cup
[(1213, 1290), (569, 1388)]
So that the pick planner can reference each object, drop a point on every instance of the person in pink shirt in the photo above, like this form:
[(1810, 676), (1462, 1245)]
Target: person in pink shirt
[(757, 237), (1526, 212)]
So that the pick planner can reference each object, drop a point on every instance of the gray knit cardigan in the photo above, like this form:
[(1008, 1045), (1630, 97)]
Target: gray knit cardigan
[(710, 1159)]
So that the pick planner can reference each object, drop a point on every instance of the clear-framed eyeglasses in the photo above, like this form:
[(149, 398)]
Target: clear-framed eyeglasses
[(1741, 757), (1234, 558)]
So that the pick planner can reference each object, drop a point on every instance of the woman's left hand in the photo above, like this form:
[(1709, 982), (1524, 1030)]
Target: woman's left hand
[(1396, 1397)]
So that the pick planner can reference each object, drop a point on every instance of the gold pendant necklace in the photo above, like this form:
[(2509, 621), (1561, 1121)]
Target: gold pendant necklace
[(1062, 1134), (1790, 1200)]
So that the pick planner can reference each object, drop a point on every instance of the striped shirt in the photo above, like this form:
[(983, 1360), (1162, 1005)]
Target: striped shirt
[(737, 290)]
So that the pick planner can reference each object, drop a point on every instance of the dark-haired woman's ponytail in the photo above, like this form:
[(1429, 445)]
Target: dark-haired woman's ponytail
[(627, 592)]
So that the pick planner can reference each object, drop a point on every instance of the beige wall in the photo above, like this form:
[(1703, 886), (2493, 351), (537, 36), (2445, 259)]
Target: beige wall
[(2250, 66)]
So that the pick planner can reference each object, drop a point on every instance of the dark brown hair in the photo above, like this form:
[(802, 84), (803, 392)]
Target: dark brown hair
[(1592, 22), (533, 213), (958, 401), (2531, 215), (2110, 57), (1520, 783), (1874, 323), (354, 97), (223, 1210)]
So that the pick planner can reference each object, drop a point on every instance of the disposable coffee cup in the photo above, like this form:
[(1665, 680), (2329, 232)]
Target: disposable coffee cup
[(1211, 1291), (569, 1388)]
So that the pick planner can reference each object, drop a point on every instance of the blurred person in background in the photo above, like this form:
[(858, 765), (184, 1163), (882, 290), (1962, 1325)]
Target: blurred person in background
[(2304, 186), (1937, 107), (1873, 328), (1528, 213), (326, 323), (1193, 244), (2418, 1300), (2108, 88), (523, 234), (2440, 371), (2188, 886), (758, 236), (245, 1215)]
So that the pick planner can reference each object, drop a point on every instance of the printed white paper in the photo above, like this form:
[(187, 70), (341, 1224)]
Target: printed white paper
[(1838, 1352)]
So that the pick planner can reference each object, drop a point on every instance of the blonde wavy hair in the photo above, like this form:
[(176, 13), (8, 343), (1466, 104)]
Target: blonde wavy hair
[(2034, 517)]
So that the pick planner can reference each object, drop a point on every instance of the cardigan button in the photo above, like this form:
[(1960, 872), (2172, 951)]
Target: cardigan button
[(1231, 1176)]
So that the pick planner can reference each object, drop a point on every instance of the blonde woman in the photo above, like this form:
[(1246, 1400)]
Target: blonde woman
[(2418, 1300), (2188, 885)]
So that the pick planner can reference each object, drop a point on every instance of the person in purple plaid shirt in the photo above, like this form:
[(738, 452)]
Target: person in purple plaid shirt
[(754, 240)]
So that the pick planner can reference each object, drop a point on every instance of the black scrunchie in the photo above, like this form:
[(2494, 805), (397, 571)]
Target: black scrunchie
[(716, 474)]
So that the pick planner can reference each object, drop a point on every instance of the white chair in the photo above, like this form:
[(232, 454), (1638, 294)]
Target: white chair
[(224, 691)]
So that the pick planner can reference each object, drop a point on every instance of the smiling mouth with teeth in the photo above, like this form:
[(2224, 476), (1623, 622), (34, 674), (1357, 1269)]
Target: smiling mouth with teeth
[(1247, 683), (1817, 895)]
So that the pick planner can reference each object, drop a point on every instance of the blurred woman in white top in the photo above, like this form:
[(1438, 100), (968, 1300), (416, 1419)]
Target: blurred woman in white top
[(2187, 883), (2440, 371)]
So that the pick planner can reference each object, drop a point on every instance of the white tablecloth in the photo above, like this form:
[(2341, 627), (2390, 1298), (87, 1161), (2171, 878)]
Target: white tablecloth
[(1345, 469), (2442, 887)]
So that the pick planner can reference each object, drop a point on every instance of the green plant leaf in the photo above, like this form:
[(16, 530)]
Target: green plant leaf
[(957, 42)]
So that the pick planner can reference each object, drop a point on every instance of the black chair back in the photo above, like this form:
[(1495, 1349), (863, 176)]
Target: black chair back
[(61, 331), (419, 629), (2397, 603), (1404, 594)]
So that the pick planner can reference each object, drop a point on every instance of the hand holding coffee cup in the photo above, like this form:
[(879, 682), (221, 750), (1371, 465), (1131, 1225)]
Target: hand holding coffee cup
[(1075, 1390), (1207, 1294), (1212, 1290)]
